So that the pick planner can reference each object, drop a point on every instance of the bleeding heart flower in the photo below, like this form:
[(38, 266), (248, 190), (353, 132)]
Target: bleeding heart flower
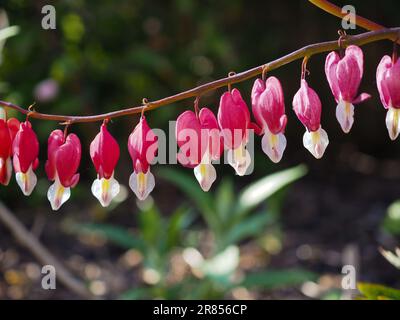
[(344, 77), (234, 121), (142, 146), (199, 140), (307, 106), (104, 151), (25, 157), (388, 82), (8, 130), (268, 107), (64, 156)]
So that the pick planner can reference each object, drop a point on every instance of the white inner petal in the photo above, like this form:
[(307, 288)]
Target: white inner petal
[(142, 184), (239, 159), (58, 194), (26, 181), (316, 142), (345, 115), (273, 145), (393, 122), (105, 190), (205, 174)]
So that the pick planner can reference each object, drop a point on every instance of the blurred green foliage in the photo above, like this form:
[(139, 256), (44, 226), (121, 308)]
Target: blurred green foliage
[(231, 220), (391, 222), (372, 291), (228, 215)]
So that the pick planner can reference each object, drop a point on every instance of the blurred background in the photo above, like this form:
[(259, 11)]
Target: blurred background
[(310, 217)]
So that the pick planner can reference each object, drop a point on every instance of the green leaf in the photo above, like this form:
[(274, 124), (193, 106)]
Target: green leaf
[(278, 278), (8, 32), (117, 235), (225, 199), (391, 223), (378, 292), (136, 294), (178, 222), (151, 225), (191, 188), (250, 226), (221, 266), (260, 190), (393, 258)]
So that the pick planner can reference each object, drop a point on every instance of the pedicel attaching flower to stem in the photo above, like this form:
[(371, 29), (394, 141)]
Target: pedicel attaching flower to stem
[(198, 137), (268, 107), (104, 151), (64, 156), (344, 75)]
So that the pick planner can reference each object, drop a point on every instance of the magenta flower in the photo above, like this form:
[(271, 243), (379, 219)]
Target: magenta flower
[(25, 157), (234, 122), (8, 130), (344, 77), (307, 106), (388, 82), (199, 140), (64, 156), (268, 107), (104, 151), (142, 146)]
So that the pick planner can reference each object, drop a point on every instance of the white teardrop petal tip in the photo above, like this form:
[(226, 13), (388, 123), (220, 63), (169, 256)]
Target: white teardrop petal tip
[(142, 184), (345, 115), (239, 159), (393, 122), (58, 194), (273, 145), (26, 181), (105, 190), (316, 142), (205, 174)]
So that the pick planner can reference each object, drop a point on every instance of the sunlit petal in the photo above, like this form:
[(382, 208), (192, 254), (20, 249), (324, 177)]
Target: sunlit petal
[(105, 190), (205, 174), (345, 115), (239, 159), (316, 142), (393, 122), (26, 181), (142, 184), (273, 145), (58, 194)]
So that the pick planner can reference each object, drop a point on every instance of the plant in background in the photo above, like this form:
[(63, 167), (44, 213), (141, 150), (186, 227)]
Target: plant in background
[(229, 219)]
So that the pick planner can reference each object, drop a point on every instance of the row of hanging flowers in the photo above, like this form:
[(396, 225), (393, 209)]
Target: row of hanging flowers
[(19, 146)]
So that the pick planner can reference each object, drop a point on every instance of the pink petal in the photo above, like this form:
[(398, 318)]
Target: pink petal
[(331, 62), (381, 73), (361, 98), (307, 106), (348, 77)]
